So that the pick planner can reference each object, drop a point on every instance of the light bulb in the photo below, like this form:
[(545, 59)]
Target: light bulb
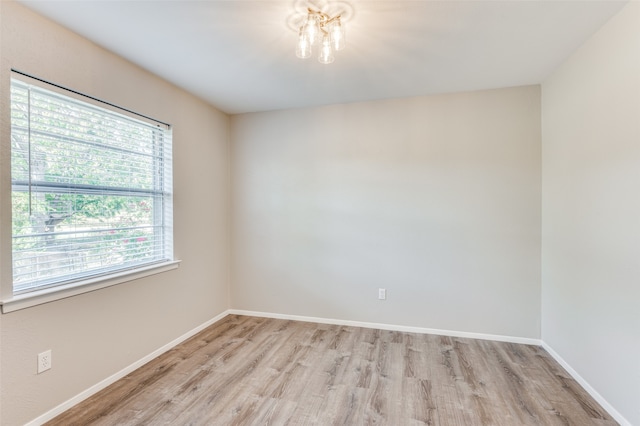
[(337, 35), (303, 48), (326, 53)]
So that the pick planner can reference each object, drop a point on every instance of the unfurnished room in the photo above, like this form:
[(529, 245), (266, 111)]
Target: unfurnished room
[(317, 212)]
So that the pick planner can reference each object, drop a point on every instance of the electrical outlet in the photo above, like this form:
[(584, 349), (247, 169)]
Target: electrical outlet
[(44, 361), (382, 293)]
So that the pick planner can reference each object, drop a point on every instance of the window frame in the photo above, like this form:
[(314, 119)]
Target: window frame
[(11, 300)]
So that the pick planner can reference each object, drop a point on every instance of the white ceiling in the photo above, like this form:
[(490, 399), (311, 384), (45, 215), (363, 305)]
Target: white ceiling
[(239, 55)]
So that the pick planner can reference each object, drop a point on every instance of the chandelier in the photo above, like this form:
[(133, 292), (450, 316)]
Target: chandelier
[(320, 28)]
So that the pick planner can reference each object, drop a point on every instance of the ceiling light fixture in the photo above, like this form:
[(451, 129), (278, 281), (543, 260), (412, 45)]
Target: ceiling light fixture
[(324, 29)]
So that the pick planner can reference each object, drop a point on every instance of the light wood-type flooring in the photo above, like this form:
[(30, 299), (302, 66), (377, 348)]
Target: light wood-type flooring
[(258, 371)]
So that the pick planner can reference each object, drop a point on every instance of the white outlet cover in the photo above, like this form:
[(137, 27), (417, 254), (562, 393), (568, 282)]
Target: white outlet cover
[(382, 293), (44, 361)]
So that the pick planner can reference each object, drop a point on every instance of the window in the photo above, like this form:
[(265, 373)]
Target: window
[(91, 189)]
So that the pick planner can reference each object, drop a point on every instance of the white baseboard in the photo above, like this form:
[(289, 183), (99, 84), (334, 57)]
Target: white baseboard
[(120, 374), (408, 329), (594, 394)]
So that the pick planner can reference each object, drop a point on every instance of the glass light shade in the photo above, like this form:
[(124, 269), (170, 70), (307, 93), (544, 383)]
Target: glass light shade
[(303, 48), (311, 28), (337, 35), (326, 53)]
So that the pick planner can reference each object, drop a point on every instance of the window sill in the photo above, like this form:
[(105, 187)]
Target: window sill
[(35, 298)]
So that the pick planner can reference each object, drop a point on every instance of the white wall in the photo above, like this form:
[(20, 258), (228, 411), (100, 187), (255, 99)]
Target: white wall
[(591, 212), (436, 199), (97, 334)]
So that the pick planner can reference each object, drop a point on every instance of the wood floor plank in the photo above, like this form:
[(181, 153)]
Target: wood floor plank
[(258, 371)]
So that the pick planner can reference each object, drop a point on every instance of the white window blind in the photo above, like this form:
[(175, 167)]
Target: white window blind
[(91, 190)]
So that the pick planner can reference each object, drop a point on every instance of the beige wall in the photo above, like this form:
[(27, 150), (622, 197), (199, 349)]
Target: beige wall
[(591, 212), (436, 199), (97, 334)]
